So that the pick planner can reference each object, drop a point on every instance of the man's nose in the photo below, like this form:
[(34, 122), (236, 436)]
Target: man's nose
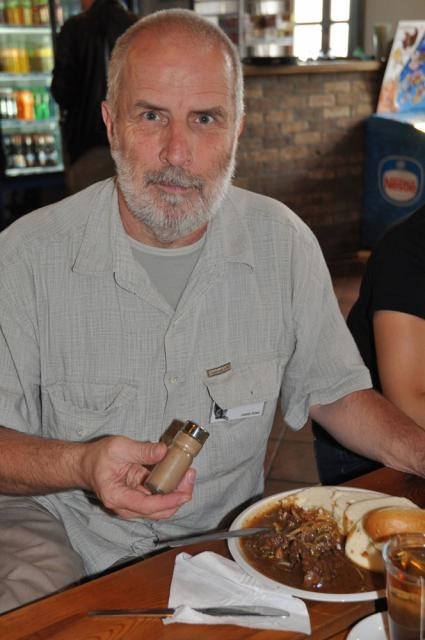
[(176, 148)]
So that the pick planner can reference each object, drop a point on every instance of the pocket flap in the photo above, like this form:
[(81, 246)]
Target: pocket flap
[(253, 382), (75, 398)]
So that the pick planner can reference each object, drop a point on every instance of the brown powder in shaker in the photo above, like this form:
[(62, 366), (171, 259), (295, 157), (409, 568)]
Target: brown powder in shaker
[(187, 443)]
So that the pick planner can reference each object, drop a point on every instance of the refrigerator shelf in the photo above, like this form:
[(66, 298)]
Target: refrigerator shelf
[(30, 30), (13, 173), (13, 78), (28, 125)]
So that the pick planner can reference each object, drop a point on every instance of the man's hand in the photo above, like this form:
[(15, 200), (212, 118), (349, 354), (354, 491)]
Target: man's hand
[(112, 468)]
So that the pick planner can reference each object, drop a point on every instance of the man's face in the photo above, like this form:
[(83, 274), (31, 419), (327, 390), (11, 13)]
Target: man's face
[(174, 136)]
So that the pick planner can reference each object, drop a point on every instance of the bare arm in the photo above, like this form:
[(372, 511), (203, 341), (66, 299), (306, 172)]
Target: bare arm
[(400, 351), (369, 424), (111, 467)]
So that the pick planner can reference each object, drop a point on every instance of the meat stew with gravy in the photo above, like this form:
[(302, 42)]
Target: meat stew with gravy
[(305, 549)]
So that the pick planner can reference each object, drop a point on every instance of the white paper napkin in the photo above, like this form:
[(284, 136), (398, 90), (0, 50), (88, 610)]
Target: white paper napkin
[(209, 580)]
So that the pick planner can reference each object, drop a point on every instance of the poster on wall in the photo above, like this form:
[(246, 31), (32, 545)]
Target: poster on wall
[(403, 86)]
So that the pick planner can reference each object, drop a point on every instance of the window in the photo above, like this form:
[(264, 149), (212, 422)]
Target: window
[(324, 28)]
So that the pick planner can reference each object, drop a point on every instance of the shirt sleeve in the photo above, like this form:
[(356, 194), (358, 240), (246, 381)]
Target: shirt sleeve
[(20, 406), (325, 364)]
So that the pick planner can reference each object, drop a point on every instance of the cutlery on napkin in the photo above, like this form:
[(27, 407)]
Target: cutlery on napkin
[(213, 535), (210, 580), (164, 612)]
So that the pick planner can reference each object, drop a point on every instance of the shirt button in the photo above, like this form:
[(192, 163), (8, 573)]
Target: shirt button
[(80, 432), (173, 380)]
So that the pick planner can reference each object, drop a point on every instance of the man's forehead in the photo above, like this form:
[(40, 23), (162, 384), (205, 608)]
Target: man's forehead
[(177, 72), (178, 86), (179, 50)]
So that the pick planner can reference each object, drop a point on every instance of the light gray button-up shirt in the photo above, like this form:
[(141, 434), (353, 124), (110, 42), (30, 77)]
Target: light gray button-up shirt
[(88, 347)]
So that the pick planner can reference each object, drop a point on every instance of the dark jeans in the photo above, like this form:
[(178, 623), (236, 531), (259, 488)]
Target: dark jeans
[(335, 463)]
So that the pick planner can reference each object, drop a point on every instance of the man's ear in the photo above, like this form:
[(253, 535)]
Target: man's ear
[(107, 119)]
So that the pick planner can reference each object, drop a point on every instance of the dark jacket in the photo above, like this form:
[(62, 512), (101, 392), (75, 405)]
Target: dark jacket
[(79, 76)]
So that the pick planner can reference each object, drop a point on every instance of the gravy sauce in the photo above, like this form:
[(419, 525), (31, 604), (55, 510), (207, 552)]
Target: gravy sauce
[(346, 576)]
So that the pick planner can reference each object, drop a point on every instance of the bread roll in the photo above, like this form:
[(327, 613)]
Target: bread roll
[(365, 540), (354, 512), (382, 523)]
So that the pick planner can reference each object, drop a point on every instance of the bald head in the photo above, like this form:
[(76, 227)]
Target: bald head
[(164, 30)]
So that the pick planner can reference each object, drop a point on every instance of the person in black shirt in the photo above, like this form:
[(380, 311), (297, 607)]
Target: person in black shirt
[(387, 323), (79, 86)]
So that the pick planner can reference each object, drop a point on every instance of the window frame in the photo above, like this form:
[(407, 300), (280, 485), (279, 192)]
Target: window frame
[(355, 21)]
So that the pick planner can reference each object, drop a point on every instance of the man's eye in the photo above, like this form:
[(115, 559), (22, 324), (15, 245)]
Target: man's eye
[(205, 118), (151, 115)]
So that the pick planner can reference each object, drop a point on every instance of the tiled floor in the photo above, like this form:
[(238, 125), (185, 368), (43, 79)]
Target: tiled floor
[(290, 461)]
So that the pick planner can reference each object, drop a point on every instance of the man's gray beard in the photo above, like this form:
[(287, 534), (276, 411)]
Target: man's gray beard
[(160, 218)]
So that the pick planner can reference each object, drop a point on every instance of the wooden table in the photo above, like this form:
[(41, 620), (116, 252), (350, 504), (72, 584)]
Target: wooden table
[(146, 584)]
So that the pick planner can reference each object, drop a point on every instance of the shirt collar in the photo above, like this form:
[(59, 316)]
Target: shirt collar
[(105, 247), (232, 222), (103, 230)]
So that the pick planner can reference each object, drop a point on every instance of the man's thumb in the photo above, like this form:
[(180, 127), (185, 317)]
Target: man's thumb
[(152, 452)]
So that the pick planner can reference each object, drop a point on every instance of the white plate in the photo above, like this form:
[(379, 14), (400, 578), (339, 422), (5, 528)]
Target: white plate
[(373, 627), (235, 549)]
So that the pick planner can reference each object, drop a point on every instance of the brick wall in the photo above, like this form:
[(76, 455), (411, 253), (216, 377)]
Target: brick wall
[(303, 144)]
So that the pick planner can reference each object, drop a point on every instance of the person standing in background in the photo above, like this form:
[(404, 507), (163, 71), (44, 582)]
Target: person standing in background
[(79, 86)]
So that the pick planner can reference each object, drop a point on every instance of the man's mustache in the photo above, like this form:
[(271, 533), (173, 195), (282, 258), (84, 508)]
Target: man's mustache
[(175, 177)]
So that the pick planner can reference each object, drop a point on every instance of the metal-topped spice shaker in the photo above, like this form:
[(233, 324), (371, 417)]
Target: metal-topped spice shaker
[(187, 443)]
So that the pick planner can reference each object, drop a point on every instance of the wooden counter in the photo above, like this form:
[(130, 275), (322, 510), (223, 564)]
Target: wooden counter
[(331, 66)]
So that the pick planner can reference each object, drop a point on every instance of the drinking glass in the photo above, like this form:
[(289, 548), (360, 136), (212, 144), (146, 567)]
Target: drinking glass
[(404, 557), (381, 39)]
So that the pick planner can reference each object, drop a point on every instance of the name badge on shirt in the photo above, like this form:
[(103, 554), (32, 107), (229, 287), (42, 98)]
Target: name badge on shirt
[(236, 413)]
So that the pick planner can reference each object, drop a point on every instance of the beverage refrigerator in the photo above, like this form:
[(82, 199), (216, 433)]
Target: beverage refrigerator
[(31, 158)]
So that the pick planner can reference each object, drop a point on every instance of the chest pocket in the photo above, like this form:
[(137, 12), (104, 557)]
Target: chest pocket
[(80, 411), (248, 384), (236, 447)]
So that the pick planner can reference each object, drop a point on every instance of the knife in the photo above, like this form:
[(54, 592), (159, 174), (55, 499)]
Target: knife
[(166, 612), (217, 535)]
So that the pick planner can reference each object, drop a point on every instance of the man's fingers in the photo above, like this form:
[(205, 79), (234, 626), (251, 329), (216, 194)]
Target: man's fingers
[(136, 476), (138, 502), (122, 490), (186, 483), (151, 452)]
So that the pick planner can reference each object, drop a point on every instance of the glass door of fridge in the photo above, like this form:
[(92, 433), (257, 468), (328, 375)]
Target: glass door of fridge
[(29, 118)]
